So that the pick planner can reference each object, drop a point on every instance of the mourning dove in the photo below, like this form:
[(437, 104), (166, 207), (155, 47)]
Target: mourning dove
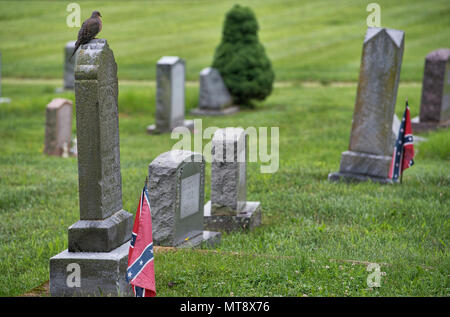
[(89, 29)]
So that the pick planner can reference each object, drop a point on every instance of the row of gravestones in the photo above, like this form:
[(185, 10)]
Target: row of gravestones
[(98, 242), (374, 123), (372, 138), (214, 98)]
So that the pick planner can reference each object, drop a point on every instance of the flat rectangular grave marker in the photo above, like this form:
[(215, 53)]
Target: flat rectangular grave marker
[(176, 192)]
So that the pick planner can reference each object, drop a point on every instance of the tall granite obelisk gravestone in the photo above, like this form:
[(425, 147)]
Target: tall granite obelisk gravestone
[(228, 208), (176, 192), (371, 142), (170, 96), (2, 99), (435, 102), (69, 67), (98, 243), (58, 126), (214, 98)]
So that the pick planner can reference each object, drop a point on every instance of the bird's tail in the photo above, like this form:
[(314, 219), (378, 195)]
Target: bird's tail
[(77, 45)]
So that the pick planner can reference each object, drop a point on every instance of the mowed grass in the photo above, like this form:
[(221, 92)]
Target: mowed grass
[(316, 237), (306, 40), (311, 228)]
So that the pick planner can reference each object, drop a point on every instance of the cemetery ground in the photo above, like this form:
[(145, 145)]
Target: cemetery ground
[(305, 40), (316, 238)]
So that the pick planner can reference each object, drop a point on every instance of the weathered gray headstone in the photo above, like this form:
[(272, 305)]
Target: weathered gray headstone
[(435, 102), (58, 126), (98, 242), (371, 138), (176, 192), (214, 98), (69, 67), (229, 209), (2, 99), (170, 96)]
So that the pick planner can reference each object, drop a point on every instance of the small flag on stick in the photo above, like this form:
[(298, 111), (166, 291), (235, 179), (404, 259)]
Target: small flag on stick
[(141, 270), (404, 148)]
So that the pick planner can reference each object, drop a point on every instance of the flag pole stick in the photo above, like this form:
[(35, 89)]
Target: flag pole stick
[(401, 168), (403, 151)]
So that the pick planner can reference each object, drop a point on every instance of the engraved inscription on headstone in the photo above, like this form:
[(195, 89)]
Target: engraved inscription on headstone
[(189, 191)]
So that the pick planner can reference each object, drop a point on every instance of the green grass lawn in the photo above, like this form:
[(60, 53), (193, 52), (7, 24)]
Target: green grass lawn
[(310, 226), (306, 40)]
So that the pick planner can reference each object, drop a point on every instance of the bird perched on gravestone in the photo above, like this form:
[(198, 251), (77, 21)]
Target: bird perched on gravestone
[(89, 29)]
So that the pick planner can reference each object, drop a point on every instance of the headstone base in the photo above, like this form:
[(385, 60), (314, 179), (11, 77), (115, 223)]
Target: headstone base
[(151, 129), (100, 235), (5, 100), (349, 177), (213, 112), (208, 239), (101, 273), (249, 218), (62, 153), (420, 127), (365, 164)]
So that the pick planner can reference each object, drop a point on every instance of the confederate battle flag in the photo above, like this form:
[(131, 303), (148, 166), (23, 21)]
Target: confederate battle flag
[(404, 148), (141, 270)]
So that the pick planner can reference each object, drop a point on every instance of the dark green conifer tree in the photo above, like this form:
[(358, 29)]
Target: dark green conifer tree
[(241, 59)]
